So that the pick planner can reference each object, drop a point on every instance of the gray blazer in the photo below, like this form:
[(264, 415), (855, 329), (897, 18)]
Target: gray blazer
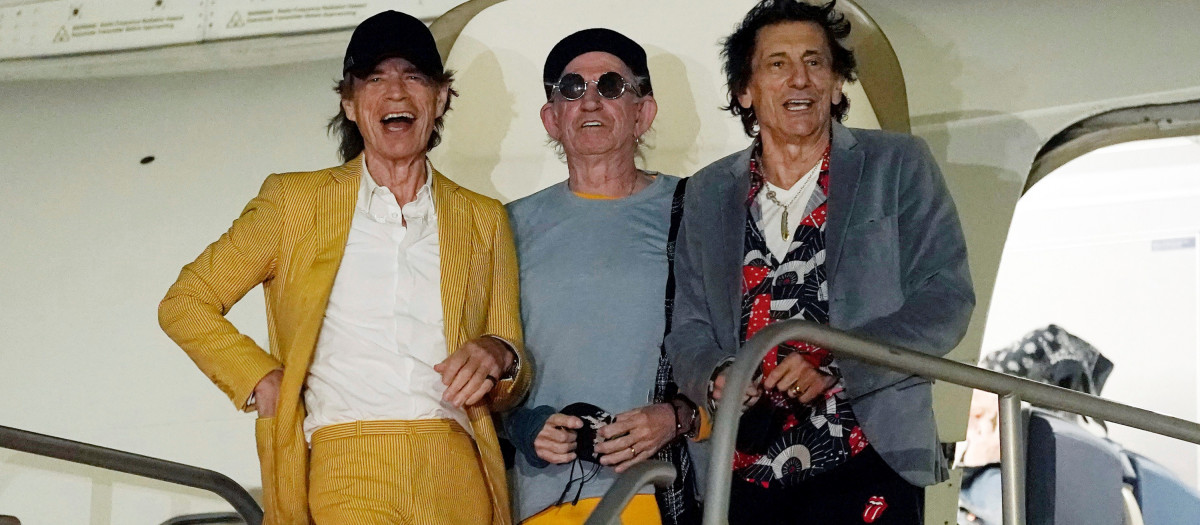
[(897, 272)]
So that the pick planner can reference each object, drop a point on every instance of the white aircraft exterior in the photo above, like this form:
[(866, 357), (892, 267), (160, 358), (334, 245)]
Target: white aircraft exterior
[(124, 155)]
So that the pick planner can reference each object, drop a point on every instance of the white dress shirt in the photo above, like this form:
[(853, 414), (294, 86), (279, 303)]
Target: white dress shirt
[(383, 329)]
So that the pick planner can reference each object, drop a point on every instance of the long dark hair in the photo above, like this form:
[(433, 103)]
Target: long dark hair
[(738, 49)]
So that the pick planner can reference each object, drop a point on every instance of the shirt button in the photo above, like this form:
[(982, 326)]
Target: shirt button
[(394, 215)]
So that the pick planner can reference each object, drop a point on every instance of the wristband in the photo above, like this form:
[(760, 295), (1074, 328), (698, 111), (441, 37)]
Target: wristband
[(693, 426)]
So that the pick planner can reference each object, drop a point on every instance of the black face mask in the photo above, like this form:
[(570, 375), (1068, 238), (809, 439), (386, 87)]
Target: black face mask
[(593, 418)]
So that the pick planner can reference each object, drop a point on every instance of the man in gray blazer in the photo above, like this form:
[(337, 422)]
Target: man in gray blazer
[(853, 228)]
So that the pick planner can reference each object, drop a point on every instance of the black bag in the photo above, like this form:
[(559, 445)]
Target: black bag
[(678, 504)]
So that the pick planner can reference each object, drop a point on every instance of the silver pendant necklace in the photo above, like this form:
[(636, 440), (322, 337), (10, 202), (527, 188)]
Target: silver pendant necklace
[(808, 180)]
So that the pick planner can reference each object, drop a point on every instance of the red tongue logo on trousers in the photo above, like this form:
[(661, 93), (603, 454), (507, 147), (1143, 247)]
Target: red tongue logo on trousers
[(875, 507)]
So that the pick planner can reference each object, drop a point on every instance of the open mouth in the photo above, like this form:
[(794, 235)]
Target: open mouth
[(798, 104), (592, 124), (397, 121)]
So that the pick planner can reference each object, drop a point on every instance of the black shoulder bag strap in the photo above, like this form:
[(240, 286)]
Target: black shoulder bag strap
[(677, 504)]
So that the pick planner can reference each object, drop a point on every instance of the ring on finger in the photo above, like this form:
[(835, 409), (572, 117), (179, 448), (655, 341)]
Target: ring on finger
[(795, 390), (633, 450), (493, 378)]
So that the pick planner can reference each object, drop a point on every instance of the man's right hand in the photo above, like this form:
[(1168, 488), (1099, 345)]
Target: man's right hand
[(749, 397), (266, 393), (556, 442)]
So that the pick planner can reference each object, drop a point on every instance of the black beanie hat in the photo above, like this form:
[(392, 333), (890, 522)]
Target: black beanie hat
[(596, 39)]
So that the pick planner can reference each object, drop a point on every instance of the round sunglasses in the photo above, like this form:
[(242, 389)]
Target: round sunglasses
[(610, 85)]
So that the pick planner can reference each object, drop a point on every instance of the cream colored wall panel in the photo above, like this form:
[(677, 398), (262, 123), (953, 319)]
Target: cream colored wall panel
[(966, 60), (91, 238)]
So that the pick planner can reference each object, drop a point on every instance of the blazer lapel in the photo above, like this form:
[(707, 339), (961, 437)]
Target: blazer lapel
[(845, 170), (333, 210), (454, 242)]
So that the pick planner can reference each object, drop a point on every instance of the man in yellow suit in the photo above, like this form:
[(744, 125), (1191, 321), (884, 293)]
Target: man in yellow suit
[(392, 308)]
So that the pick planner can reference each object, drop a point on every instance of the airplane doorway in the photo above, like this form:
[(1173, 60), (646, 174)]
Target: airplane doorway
[(1105, 247)]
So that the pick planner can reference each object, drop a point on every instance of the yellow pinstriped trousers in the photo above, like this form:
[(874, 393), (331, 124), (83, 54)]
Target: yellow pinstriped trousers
[(396, 472)]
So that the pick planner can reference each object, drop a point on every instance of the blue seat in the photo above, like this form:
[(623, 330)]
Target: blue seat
[(1163, 498), (1072, 477)]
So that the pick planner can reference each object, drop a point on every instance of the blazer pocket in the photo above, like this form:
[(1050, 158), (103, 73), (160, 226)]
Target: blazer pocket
[(872, 226), (870, 265)]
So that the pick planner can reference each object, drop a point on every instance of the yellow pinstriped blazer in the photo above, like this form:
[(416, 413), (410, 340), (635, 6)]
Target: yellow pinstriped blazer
[(290, 238)]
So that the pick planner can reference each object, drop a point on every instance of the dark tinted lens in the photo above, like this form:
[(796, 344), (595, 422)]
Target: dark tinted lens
[(611, 85), (571, 86)]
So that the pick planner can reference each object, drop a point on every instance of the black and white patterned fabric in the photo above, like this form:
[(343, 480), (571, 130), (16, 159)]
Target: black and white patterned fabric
[(781, 441), (1053, 356)]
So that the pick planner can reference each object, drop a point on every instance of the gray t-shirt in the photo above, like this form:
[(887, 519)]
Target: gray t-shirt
[(593, 275)]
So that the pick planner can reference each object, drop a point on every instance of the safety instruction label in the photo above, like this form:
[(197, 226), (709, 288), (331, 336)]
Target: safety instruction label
[(30, 28), (56, 27), (231, 19), (240, 18)]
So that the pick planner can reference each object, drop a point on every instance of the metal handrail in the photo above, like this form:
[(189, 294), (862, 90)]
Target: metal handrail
[(1012, 390), (608, 511), (136, 464), (206, 518)]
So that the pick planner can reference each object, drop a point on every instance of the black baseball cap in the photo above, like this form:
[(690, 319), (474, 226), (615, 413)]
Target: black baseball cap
[(596, 39), (391, 34)]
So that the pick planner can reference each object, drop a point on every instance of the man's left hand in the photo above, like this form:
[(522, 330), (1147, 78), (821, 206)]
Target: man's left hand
[(798, 378), (473, 370), (636, 435)]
